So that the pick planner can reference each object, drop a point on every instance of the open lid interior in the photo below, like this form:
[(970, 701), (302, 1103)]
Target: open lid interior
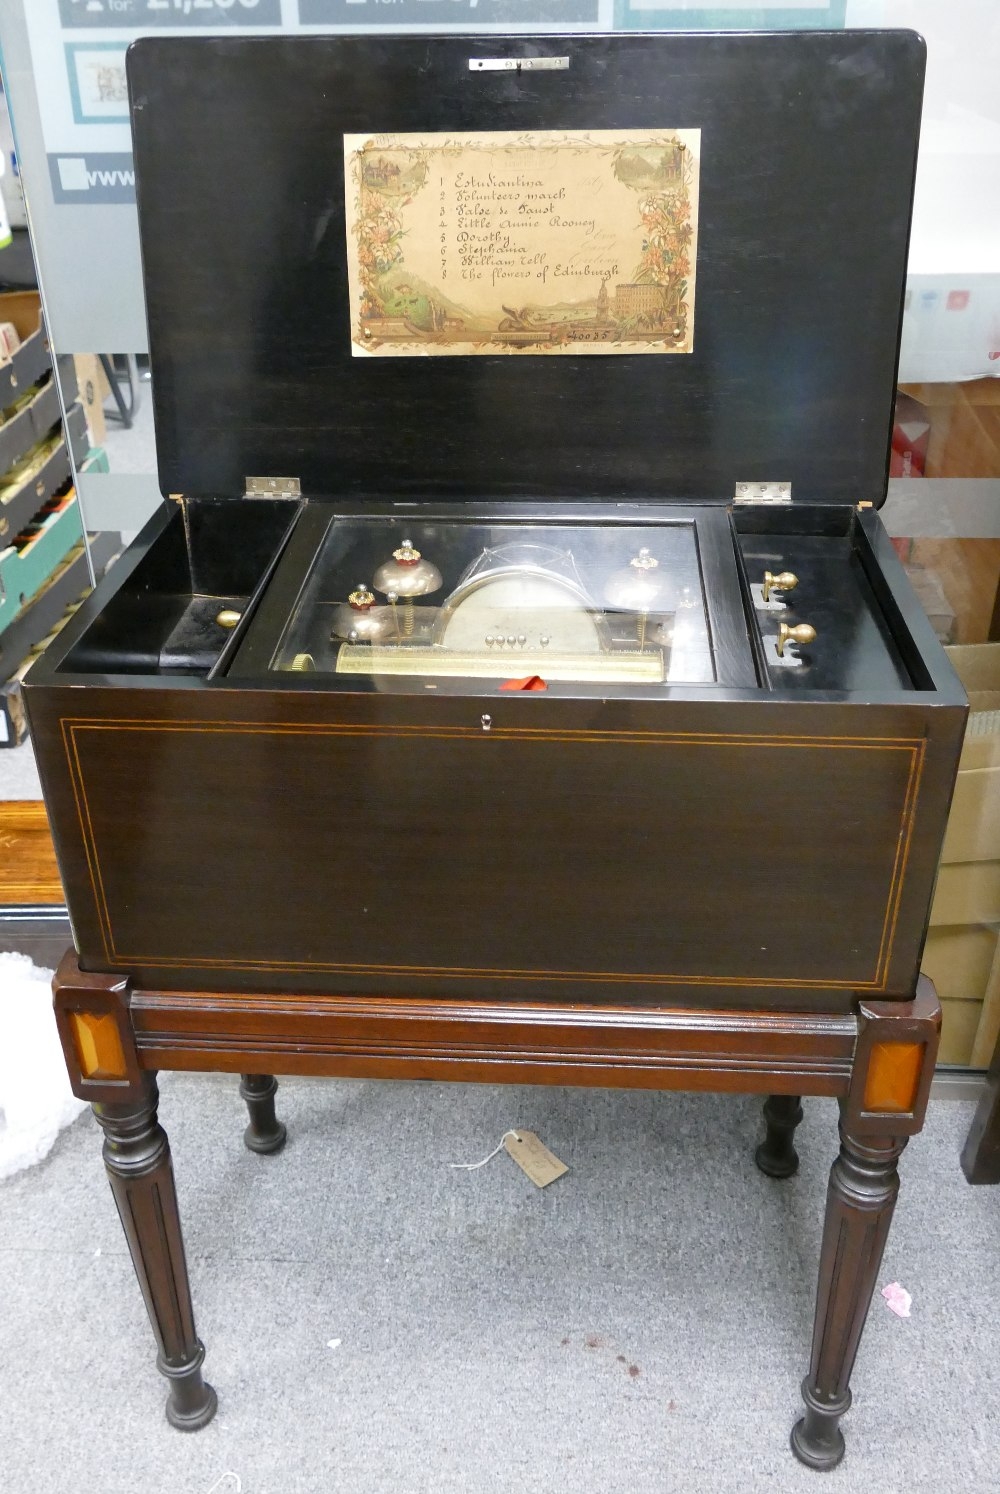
[(800, 211)]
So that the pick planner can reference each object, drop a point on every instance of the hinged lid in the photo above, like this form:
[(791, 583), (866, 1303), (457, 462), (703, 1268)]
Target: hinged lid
[(806, 145)]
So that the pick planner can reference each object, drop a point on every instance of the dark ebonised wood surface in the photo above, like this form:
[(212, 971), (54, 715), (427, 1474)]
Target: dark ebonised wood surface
[(633, 851), (699, 843), (808, 156)]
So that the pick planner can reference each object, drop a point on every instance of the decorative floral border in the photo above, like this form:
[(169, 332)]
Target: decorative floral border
[(664, 220)]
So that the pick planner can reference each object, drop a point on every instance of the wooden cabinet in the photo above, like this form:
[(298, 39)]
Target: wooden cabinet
[(307, 822)]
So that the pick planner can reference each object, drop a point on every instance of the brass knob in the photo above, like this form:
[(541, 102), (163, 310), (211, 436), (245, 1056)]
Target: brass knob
[(783, 581), (801, 633), (228, 617)]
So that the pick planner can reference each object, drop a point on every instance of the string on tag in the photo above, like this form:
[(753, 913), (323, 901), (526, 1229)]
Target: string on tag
[(474, 1166), (236, 1488)]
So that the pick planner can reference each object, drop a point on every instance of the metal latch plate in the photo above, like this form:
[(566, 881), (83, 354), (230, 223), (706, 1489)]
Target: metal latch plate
[(518, 64)]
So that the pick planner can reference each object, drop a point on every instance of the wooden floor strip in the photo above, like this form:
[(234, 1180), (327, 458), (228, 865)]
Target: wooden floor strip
[(28, 870)]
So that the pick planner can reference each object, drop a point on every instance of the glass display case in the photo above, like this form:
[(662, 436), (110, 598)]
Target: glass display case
[(502, 601)]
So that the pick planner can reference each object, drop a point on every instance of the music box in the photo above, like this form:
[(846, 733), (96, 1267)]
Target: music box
[(518, 681)]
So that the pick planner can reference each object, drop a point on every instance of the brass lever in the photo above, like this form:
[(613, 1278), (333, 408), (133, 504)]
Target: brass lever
[(783, 581), (801, 633)]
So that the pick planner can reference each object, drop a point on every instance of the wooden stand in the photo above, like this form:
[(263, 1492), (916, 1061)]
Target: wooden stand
[(859, 1204), (137, 1159), (877, 1060), (776, 1155), (265, 1133)]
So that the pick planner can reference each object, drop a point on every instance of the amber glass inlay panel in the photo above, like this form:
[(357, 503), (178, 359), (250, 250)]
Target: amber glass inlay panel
[(98, 1045), (893, 1076)]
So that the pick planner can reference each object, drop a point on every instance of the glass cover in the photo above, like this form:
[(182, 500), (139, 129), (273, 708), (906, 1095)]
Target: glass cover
[(524, 604)]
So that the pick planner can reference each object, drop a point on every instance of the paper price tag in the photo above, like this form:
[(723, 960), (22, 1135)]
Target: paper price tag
[(534, 1158)]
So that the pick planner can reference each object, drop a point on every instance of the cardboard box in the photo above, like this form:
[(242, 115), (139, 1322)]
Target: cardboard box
[(968, 892), (13, 726), (959, 1026), (933, 599), (27, 563), (28, 422), (974, 823), (957, 578), (977, 666), (962, 953), (42, 618), (964, 416), (40, 475), (911, 429), (959, 961), (988, 1032), (31, 360), (94, 390)]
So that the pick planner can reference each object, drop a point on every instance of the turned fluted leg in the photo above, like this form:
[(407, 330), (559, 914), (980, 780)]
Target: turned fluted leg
[(859, 1204), (137, 1158), (265, 1133), (776, 1154)]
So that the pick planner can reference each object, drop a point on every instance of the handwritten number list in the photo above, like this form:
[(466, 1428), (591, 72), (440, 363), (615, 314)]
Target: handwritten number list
[(497, 227)]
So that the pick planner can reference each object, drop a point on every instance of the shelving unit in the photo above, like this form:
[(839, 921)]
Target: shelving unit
[(43, 564)]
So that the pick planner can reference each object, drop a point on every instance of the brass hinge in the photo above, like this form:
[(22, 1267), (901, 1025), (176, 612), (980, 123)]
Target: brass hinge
[(273, 487), (763, 492)]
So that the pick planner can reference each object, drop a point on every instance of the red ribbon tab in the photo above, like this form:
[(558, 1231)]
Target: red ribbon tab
[(530, 682)]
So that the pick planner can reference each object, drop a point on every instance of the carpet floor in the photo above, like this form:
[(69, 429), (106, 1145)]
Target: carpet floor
[(376, 1321)]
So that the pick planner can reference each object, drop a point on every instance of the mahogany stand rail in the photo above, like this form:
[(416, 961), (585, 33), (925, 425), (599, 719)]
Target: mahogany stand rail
[(877, 1061)]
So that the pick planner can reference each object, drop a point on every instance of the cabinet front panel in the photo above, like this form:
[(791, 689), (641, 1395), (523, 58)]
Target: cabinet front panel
[(576, 862)]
